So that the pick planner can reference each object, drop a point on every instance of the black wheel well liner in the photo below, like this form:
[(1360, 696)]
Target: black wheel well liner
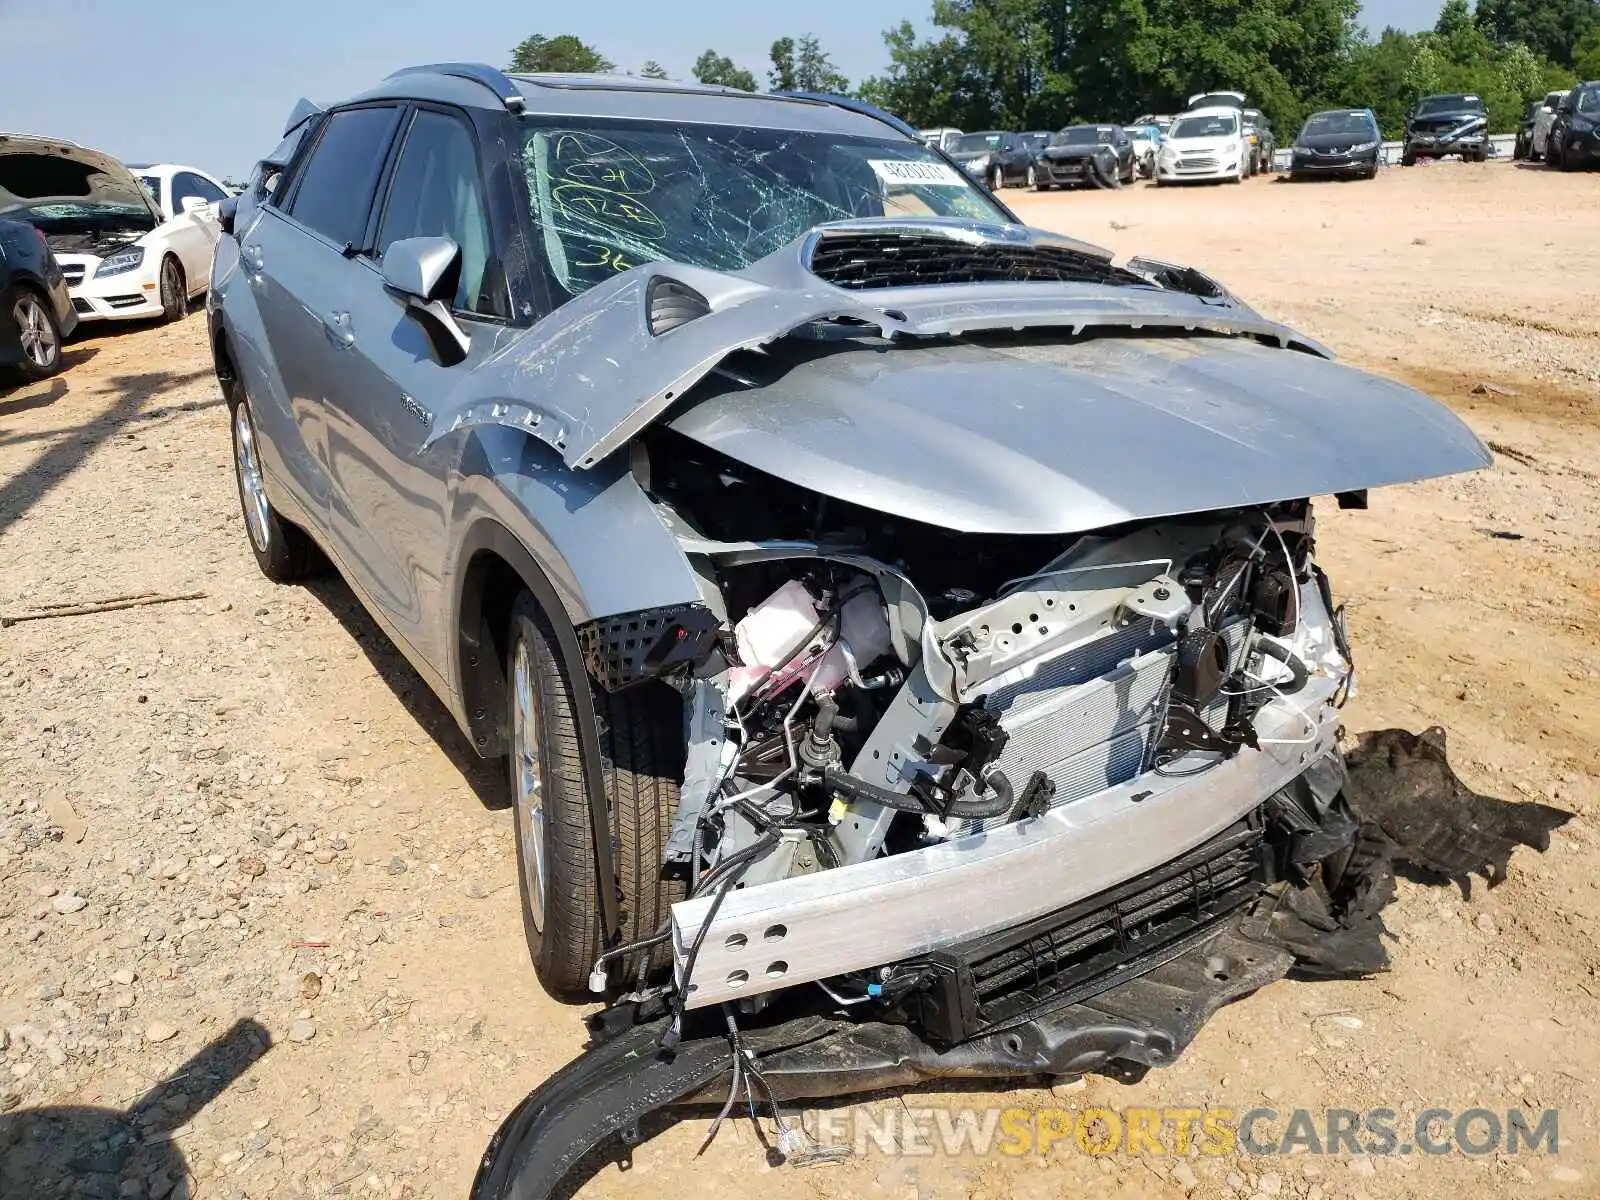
[(496, 567), (222, 355)]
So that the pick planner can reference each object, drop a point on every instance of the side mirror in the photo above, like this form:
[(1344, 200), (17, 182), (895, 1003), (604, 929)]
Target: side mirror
[(195, 204), (226, 211), (424, 272)]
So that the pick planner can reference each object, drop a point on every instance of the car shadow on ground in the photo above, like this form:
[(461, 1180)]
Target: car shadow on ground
[(85, 1150), (11, 402), (70, 448), (486, 777)]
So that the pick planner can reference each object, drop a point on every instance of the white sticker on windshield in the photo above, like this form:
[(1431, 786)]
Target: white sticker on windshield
[(926, 174)]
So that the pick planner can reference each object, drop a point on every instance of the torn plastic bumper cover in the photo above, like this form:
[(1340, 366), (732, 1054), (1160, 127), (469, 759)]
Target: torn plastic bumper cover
[(1116, 984)]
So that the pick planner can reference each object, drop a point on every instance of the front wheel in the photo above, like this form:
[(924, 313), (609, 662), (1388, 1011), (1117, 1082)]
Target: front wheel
[(1407, 158), (40, 335), (997, 179), (174, 292), (641, 762)]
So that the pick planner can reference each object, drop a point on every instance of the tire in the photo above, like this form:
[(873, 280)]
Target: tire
[(641, 753), (284, 552), (174, 291), (997, 179), (1407, 158), (39, 332)]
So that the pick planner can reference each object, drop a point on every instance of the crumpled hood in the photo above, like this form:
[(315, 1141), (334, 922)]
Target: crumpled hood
[(1070, 152), (1001, 406), (1064, 436), (1465, 121)]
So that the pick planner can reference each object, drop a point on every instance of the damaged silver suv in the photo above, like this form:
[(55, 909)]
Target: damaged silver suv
[(891, 615)]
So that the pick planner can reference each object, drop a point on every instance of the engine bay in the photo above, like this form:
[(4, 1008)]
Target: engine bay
[(870, 689)]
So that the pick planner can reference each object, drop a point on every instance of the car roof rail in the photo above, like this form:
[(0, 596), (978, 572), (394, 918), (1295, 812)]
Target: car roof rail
[(854, 105), (495, 80)]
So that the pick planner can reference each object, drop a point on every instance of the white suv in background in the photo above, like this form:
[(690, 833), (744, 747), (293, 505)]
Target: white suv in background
[(1204, 144), (1539, 142), (124, 254)]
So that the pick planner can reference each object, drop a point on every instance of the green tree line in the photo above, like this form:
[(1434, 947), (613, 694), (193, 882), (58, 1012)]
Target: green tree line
[(1042, 64)]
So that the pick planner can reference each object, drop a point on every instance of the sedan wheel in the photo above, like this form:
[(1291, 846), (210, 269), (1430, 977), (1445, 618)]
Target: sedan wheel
[(1033, 177), (40, 337), (174, 298)]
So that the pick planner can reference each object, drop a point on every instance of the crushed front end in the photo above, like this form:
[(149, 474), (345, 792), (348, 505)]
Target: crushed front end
[(1010, 698)]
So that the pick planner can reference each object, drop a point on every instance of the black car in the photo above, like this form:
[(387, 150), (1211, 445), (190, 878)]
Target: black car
[(1575, 135), (1340, 142), (1034, 141), (1085, 154), (1263, 143), (1455, 123), (35, 310), (995, 157)]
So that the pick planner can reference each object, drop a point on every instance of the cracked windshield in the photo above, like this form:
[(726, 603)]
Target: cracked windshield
[(608, 197)]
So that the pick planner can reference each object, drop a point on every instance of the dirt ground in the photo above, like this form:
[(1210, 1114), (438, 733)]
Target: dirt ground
[(239, 826)]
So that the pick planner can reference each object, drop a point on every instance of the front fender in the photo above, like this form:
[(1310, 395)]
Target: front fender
[(594, 534)]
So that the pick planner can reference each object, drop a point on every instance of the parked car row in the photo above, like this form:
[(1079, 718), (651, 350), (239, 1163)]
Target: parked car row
[(1217, 138), (84, 238), (1563, 129)]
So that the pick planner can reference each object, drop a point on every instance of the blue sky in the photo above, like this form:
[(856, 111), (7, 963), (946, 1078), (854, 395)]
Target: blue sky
[(209, 84)]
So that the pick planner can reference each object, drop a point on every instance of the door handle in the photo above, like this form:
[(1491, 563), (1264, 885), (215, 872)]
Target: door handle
[(341, 329), (253, 256)]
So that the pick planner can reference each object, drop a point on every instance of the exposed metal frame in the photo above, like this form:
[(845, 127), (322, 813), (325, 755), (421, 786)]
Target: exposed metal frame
[(812, 927)]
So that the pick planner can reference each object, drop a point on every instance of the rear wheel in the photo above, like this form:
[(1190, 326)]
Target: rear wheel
[(283, 551), (39, 334), (1408, 157), (641, 760), (997, 179)]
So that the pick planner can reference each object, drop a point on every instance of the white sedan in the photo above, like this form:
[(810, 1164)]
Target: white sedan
[(1204, 144), (124, 252)]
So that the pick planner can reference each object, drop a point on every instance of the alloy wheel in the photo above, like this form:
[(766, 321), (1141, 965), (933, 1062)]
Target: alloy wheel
[(172, 299), (526, 777), (248, 464), (39, 342)]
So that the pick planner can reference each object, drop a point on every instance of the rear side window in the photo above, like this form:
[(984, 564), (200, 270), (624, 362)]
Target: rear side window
[(337, 182), (438, 191)]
